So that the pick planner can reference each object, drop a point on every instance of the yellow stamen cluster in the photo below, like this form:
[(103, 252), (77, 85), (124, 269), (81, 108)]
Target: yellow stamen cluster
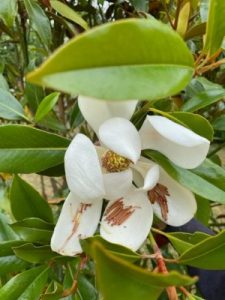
[(113, 162)]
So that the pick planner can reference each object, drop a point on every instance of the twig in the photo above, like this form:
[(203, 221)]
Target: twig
[(171, 291)]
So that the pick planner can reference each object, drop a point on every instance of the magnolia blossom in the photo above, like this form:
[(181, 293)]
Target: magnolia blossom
[(108, 171)]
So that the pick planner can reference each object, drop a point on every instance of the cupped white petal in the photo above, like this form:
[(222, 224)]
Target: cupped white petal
[(83, 170), (77, 221), (181, 202), (181, 145), (96, 111), (127, 221), (149, 174), (121, 136), (117, 184)]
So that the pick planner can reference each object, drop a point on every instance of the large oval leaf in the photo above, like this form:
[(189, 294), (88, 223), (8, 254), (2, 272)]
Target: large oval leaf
[(25, 149), (10, 108), (26, 202), (121, 60), (119, 279), (208, 254), (215, 28)]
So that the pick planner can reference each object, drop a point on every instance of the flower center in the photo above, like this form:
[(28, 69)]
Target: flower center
[(113, 162), (158, 195)]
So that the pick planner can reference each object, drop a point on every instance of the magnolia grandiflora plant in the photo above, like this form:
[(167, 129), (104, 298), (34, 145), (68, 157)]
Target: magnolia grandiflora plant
[(115, 171)]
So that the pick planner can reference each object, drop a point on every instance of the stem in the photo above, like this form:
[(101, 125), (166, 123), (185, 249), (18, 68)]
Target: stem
[(171, 290), (72, 290)]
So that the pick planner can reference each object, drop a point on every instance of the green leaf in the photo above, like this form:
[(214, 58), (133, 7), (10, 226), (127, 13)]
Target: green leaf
[(34, 230), (219, 123), (131, 64), (10, 108), (86, 289), (53, 292), (27, 285), (26, 202), (203, 99), (68, 13), (6, 233), (215, 28), (188, 179), (208, 254), (40, 22), (30, 253), (203, 212), (212, 173), (3, 83), (183, 241), (24, 149), (11, 264), (118, 250), (46, 106), (8, 11), (6, 247), (119, 279)]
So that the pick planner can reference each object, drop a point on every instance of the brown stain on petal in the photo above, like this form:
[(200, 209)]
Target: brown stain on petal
[(76, 222), (118, 213), (158, 195)]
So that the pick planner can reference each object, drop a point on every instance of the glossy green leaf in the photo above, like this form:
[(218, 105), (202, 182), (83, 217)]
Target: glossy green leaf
[(6, 247), (3, 83), (53, 292), (208, 254), (6, 233), (215, 28), (203, 212), (27, 285), (46, 106), (219, 123), (68, 13), (118, 250), (184, 241), (119, 279), (188, 179), (11, 264), (24, 149), (34, 230), (10, 108), (183, 19), (34, 254), (132, 64), (212, 173), (26, 202), (196, 30), (86, 289), (203, 99), (40, 22), (8, 11)]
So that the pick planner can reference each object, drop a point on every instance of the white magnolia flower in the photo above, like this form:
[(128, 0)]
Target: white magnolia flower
[(94, 173)]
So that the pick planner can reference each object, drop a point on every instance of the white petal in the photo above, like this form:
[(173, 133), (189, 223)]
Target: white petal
[(97, 111), (133, 231), (117, 184), (77, 220), (83, 171), (149, 175), (181, 145), (121, 136), (181, 202)]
